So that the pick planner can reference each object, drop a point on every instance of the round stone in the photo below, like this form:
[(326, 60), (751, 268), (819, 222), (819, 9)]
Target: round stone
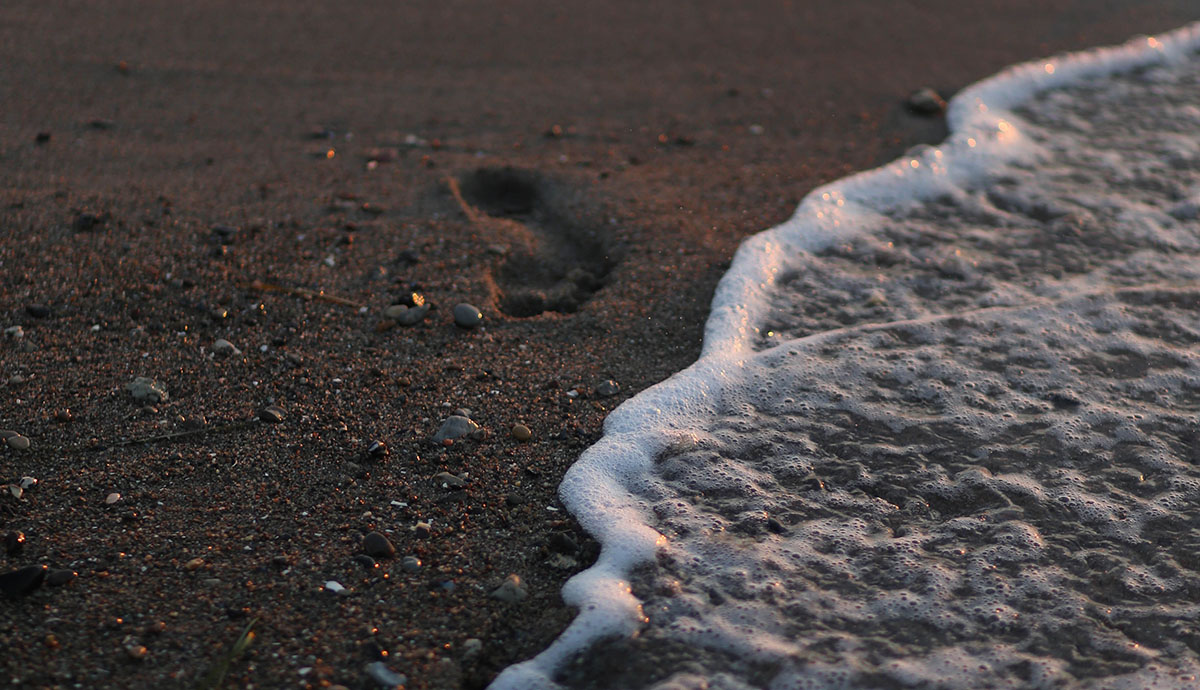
[(272, 414), (17, 442), (14, 542), (147, 390), (521, 432), (377, 545), (455, 426), (38, 311), (225, 348), (926, 101), (511, 590), (467, 315), (60, 576), (608, 388), (18, 583)]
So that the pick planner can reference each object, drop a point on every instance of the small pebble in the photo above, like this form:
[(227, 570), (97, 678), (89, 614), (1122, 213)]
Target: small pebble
[(335, 587), (194, 564), (377, 449), (18, 583), (60, 576), (14, 542), (384, 676), (17, 442), (563, 543), (14, 332), (147, 390), (365, 561), (467, 315), (608, 388), (27, 482), (472, 647), (423, 530), (112, 498), (225, 348), (137, 652), (15, 490), (405, 315), (521, 432), (449, 481), (38, 311), (455, 426), (511, 591), (225, 233), (377, 545), (926, 101), (272, 414), (411, 563)]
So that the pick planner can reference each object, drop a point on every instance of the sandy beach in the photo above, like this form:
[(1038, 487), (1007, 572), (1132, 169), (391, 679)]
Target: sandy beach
[(277, 175)]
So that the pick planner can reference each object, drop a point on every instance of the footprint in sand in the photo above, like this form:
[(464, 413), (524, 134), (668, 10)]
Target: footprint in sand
[(557, 252)]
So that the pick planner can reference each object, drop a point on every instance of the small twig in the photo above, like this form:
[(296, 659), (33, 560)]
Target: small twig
[(215, 429), (300, 292)]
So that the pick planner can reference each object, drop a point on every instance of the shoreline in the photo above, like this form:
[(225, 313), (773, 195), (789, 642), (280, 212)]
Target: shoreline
[(189, 196)]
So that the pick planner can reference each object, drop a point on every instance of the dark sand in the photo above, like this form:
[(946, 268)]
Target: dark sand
[(647, 141)]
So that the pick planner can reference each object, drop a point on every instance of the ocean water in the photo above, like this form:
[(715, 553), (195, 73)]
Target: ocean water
[(945, 429)]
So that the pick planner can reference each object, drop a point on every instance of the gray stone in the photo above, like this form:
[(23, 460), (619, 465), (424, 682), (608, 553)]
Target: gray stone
[(472, 647), (406, 315), (17, 442), (455, 426), (377, 545), (225, 348), (384, 676), (608, 388), (467, 315), (147, 390), (59, 577), (271, 413), (926, 101), (511, 591), (449, 481), (18, 583), (411, 563)]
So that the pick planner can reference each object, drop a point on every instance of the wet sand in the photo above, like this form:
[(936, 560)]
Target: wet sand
[(276, 175)]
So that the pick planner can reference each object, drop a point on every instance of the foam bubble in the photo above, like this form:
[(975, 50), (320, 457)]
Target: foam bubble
[(963, 455)]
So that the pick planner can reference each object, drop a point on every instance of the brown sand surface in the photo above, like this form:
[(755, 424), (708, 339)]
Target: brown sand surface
[(625, 147)]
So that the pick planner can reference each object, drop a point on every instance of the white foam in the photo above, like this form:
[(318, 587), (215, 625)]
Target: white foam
[(607, 488)]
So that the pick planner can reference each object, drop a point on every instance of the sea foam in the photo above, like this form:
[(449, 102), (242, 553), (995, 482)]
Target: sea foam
[(942, 431)]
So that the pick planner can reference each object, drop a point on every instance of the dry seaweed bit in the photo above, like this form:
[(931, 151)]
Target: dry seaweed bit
[(215, 677), (305, 293)]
